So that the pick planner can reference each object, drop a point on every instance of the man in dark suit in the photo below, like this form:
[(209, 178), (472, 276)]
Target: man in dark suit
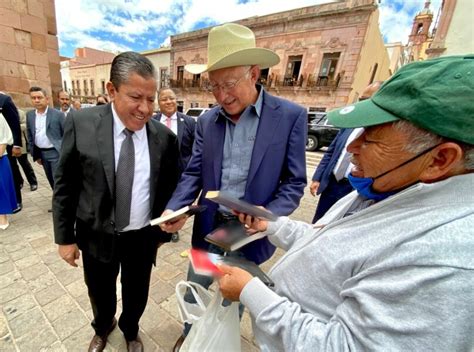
[(45, 127), (23, 159), (10, 113), (64, 102), (330, 177), (252, 145), (117, 170), (182, 125)]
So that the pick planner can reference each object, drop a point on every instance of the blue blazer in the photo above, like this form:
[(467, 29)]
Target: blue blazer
[(186, 128), (54, 130), (277, 174), (328, 162)]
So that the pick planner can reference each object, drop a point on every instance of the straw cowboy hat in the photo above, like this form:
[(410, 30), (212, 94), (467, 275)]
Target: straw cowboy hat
[(232, 45)]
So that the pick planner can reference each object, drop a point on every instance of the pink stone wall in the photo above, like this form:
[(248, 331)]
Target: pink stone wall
[(28, 48)]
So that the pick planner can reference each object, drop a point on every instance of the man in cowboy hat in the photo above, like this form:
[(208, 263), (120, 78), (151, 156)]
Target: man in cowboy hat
[(252, 145), (389, 267)]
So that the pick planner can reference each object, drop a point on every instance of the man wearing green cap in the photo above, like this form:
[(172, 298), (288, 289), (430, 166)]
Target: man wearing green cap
[(389, 267)]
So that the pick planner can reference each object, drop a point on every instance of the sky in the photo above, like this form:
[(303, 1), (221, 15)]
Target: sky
[(138, 25)]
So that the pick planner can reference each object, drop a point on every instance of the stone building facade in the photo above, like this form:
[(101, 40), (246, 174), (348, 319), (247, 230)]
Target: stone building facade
[(396, 53), (454, 33), (29, 53), (85, 76), (329, 53), (420, 37)]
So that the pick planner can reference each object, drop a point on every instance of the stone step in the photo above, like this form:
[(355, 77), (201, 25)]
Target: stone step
[(313, 159)]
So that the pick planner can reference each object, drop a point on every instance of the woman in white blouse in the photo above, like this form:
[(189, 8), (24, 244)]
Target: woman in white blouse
[(7, 189)]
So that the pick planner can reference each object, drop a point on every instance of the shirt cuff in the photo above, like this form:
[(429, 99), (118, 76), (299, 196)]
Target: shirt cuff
[(256, 296), (273, 226)]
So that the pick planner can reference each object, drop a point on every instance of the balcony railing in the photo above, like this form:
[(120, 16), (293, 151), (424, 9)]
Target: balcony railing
[(273, 81), (200, 84)]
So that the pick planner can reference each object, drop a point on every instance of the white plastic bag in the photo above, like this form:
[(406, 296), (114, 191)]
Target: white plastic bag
[(191, 312), (218, 329)]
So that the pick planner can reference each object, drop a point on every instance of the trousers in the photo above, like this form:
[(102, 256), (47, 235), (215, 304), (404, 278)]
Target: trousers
[(136, 254)]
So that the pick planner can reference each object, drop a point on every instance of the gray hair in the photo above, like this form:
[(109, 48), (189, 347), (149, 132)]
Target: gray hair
[(421, 139), (127, 63)]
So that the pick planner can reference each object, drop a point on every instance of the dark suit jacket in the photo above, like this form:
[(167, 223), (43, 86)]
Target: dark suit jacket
[(84, 189), (323, 172), (186, 128), (277, 174), (10, 113), (54, 130)]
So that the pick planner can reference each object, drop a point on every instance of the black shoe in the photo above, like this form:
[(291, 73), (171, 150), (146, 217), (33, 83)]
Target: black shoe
[(33, 188), (18, 208), (177, 345), (98, 342), (135, 345)]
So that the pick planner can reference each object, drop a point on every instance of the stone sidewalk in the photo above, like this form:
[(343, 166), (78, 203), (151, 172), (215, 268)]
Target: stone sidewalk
[(44, 302)]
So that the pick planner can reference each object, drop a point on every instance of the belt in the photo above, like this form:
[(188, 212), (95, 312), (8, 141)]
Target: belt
[(46, 149)]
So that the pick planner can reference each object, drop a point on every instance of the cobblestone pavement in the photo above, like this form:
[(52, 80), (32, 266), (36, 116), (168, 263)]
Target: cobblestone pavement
[(44, 303)]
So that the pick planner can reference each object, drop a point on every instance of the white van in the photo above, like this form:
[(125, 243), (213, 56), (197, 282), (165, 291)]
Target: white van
[(196, 112)]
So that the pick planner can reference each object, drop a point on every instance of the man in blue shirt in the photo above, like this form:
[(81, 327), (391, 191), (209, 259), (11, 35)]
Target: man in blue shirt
[(251, 145)]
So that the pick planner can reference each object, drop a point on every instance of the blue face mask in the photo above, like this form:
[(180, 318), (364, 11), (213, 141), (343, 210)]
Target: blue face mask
[(363, 185)]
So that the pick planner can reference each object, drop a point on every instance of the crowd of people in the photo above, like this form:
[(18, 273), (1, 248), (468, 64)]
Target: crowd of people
[(386, 263)]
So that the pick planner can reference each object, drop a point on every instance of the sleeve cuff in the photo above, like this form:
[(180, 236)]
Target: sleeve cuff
[(256, 296), (273, 226)]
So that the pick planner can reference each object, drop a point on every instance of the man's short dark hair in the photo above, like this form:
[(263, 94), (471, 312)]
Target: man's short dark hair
[(63, 91), (130, 62), (162, 89), (38, 89)]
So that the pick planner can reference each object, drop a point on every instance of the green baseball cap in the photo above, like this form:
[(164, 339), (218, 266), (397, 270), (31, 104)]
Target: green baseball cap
[(436, 95)]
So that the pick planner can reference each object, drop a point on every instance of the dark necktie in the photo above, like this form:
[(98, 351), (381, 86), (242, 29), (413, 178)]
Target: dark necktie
[(124, 181)]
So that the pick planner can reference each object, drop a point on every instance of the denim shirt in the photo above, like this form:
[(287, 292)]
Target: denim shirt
[(238, 146)]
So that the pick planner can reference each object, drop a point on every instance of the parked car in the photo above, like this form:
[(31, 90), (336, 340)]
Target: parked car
[(196, 112), (315, 115), (320, 134), (87, 105)]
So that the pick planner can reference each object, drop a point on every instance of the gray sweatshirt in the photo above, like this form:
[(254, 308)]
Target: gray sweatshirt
[(396, 276)]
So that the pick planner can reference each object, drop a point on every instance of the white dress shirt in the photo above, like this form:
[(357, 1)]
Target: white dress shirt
[(354, 134), (41, 139), (174, 122), (140, 212)]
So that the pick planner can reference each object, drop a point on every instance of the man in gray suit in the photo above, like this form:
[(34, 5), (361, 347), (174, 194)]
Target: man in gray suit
[(45, 132)]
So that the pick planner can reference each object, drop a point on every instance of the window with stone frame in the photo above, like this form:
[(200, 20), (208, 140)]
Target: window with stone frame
[(327, 71)]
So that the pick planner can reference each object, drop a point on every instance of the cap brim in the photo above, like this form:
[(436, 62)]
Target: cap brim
[(264, 58), (363, 114)]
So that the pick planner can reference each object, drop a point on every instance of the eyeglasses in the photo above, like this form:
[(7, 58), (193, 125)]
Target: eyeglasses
[(226, 86)]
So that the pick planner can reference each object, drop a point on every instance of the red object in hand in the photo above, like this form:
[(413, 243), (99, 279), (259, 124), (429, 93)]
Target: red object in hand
[(204, 263)]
